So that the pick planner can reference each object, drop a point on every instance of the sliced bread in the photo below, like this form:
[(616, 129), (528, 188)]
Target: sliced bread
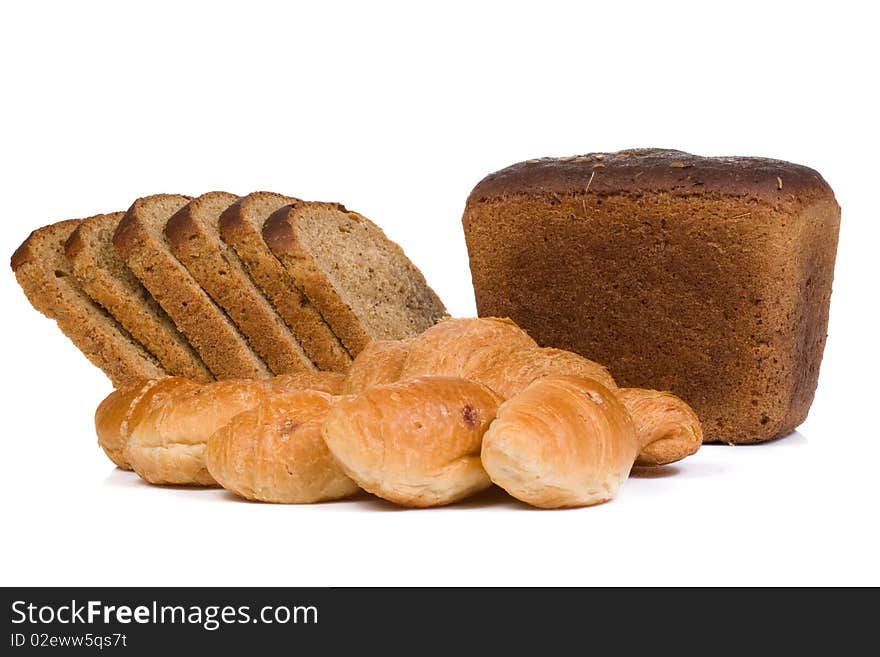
[(362, 283), (105, 278), (47, 279), (194, 238), (140, 241), (241, 227)]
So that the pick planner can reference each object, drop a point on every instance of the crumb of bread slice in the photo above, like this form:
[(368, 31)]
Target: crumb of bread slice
[(140, 241), (241, 226), (362, 282), (47, 279), (105, 278), (194, 238)]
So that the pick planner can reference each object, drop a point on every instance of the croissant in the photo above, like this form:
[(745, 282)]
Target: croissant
[(517, 370), (668, 430), (414, 442), (111, 419), (167, 446), (408, 427), (463, 348), (329, 382), (501, 356), (123, 409), (381, 361), (563, 441), (274, 452)]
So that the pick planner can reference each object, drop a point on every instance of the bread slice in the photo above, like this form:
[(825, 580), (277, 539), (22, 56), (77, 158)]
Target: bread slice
[(194, 237), (47, 279), (361, 282), (105, 278), (140, 241), (241, 227)]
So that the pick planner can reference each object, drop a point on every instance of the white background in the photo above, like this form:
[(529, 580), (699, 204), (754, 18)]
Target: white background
[(397, 111)]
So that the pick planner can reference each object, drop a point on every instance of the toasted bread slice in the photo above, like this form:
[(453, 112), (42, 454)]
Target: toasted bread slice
[(241, 227), (140, 241), (362, 283), (47, 279), (105, 278), (194, 238)]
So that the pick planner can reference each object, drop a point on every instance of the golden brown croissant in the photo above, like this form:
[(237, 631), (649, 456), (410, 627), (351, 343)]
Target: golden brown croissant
[(563, 441), (381, 361), (123, 409), (111, 419), (167, 446), (274, 452), (501, 356), (667, 428), (329, 382), (463, 347), (517, 370), (414, 442)]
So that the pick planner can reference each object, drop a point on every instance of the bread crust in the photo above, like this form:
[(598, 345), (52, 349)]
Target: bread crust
[(124, 297), (275, 452), (220, 273), (48, 281), (241, 228), (223, 349), (653, 170), (707, 277), (415, 442), (564, 441)]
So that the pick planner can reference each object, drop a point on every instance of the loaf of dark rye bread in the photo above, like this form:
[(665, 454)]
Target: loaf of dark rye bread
[(140, 241), (362, 283), (106, 279), (241, 226), (709, 277), (47, 279), (194, 238)]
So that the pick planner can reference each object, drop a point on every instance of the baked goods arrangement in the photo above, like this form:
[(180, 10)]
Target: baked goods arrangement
[(632, 306), (221, 286), (709, 277), (420, 422)]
